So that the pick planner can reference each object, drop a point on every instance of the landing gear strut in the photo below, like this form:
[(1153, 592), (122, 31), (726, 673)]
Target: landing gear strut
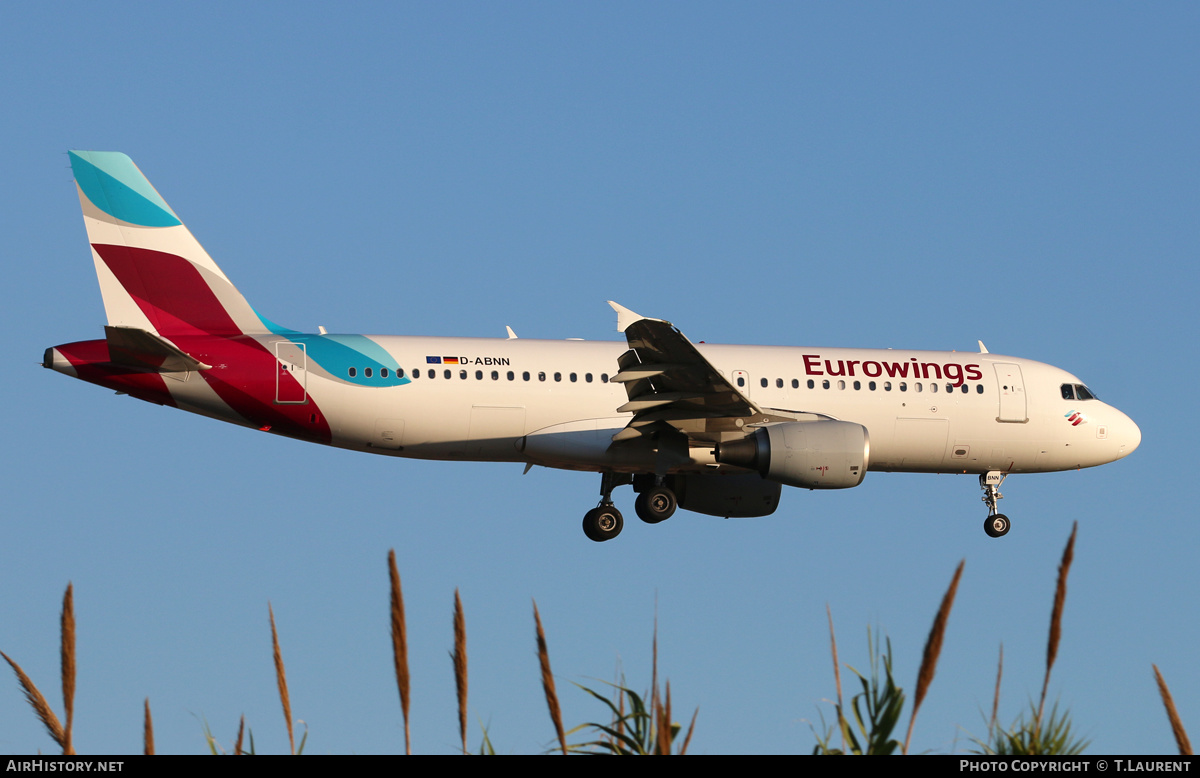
[(604, 522), (997, 524)]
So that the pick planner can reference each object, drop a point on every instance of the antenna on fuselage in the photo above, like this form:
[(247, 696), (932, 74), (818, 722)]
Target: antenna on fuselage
[(511, 335), (982, 348)]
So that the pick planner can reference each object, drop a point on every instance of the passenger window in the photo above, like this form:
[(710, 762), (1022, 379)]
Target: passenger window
[(574, 378), (764, 383), (778, 383), (918, 387), (857, 385), (587, 377), (367, 372), (462, 374), (604, 378), (978, 388), (871, 385), (903, 386), (841, 384), (541, 376), (933, 388), (383, 372), (825, 384), (511, 375), (795, 384), (810, 383), (965, 388), (352, 372), (949, 388), (478, 375), (558, 376), (741, 381), (448, 373), (525, 376), (399, 372), (887, 386), (432, 373), (495, 375)]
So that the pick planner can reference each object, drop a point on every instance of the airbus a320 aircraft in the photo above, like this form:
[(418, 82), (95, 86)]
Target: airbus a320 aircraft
[(715, 429)]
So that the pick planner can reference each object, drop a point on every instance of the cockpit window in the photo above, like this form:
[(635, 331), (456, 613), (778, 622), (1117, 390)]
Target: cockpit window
[(1077, 392)]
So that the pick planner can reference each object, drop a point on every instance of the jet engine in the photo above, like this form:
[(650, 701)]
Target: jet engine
[(809, 454)]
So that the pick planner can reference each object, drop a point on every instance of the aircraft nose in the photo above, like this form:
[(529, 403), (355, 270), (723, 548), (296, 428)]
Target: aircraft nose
[(1128, 436)]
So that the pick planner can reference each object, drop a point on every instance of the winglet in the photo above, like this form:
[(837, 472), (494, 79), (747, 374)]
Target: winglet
[(982, 348), (511, 335), (625, 317)]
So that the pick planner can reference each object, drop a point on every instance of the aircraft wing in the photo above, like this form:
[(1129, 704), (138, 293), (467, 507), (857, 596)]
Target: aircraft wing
[(669, 381)]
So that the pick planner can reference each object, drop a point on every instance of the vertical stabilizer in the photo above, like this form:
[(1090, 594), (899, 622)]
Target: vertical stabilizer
[(153, 274)]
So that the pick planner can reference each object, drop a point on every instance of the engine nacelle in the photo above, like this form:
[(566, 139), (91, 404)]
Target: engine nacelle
[(733, 496), (809, 454)]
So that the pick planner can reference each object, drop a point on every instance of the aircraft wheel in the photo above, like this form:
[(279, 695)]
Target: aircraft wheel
[(603, 523), (655, 505), (997, 525)]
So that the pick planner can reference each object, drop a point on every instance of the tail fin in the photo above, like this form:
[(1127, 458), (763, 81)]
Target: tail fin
[(153, 274)]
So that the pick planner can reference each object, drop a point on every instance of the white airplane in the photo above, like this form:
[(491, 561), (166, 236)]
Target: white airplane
[(715, 429)]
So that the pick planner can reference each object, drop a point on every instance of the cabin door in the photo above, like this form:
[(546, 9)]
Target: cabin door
[(1012, 393), (291, 372)]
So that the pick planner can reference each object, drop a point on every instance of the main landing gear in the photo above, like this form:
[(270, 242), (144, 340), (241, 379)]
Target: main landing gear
[(604, 522), (655, 502), (997, 524)]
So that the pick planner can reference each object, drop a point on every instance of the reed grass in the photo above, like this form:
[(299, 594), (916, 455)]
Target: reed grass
[(548, 681), (147, 732), (400, 645), (837, 677), (281, 681), (996, 696), (237, 743), (933, 649), (646, 727), (67, 656), (1033, 733), (41, 708), (1060, 599), (1181, 738)]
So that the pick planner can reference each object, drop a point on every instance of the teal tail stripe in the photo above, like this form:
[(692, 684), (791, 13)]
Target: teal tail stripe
[(113, 184)]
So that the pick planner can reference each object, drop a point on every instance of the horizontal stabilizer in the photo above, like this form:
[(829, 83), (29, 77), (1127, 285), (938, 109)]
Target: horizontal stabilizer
[(143, 350)]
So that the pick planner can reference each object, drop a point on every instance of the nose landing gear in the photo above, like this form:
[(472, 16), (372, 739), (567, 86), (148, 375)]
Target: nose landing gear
[(996, 525)]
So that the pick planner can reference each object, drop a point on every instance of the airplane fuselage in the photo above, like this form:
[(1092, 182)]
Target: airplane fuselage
[(505, 400)]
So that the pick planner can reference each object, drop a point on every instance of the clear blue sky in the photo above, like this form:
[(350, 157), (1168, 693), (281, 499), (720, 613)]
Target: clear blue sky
[(917, 176)]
